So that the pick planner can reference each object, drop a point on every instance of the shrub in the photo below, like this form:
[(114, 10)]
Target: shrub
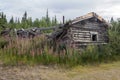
[(3, 43)]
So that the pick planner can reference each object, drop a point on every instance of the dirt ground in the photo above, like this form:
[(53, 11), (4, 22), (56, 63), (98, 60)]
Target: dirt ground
[(101, 72)]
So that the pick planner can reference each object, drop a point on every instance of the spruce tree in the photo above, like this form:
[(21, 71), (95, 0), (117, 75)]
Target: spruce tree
[(112, 20), (24, 18), (47, 18), (3, 20), (11, 20)]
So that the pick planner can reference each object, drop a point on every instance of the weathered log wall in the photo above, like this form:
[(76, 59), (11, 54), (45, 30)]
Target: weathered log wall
[(83, 33)]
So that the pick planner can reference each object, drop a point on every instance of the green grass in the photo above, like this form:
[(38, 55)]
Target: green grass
[(38, 51)]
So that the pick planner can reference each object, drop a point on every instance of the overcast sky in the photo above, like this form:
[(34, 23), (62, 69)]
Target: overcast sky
[(69, 8)]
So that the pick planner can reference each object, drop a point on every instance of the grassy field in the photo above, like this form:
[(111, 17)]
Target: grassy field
[(108, 71), (40, 51)]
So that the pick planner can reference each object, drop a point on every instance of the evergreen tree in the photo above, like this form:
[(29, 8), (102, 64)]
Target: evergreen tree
[(112, 20), (118, 19), (29, 22), (47, 15), (36, 23), (47, 18), (24, 23), (11, 20), (3, 20), (18, 21), (12, 23), (54, 21), (43, 22), (24, 18)]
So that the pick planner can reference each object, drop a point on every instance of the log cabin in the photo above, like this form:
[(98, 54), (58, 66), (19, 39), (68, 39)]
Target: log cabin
[(89, 29)]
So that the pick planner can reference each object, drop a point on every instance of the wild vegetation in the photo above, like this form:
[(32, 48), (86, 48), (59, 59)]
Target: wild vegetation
[(17, 51), (27, 22)]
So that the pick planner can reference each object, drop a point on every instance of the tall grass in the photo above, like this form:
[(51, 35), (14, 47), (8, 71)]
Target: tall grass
[(20, 51)]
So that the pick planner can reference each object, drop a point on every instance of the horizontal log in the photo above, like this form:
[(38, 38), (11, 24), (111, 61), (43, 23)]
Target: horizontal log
[(89, 29), (80, 31), (82, 41), (77, 45), (83, 34), (81, 37)]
